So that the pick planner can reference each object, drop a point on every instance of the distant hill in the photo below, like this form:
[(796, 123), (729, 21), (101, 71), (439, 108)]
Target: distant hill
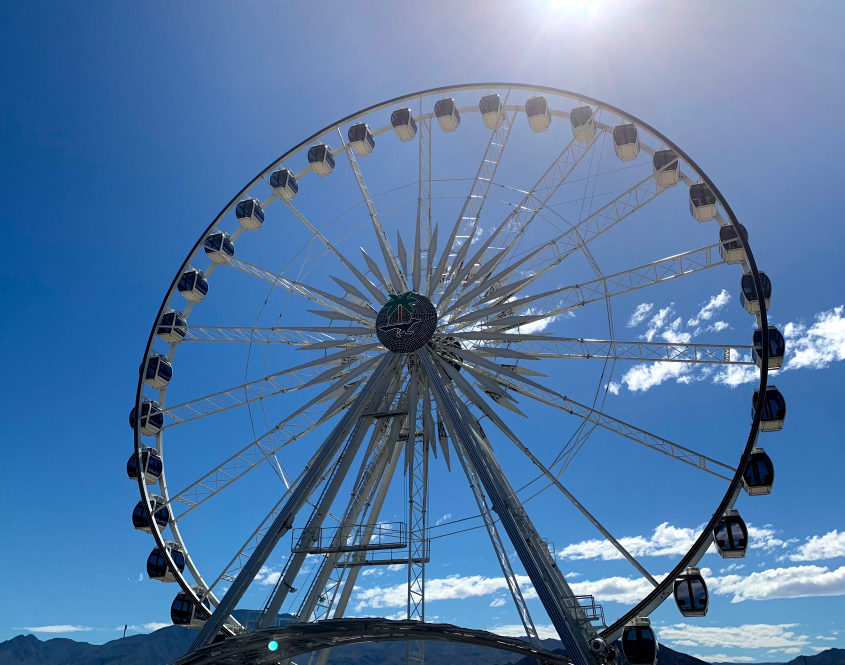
[(169, 643)]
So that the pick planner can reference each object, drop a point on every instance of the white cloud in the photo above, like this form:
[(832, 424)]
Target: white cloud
[(145, 627), (63, 628), (267, 576), (722, 658), (764, 538), (828, 546), (544, 631), (736, 375), (666, 540), (733, 566), (624, 590), (657, 322), (820, 344), (640, 314), (445, 517), (372, 571), (648, 375), (673, 334), (613, 387), (792, 582), (748, 636), (719, 326), (393, 567), (497, 602), (709, 310)]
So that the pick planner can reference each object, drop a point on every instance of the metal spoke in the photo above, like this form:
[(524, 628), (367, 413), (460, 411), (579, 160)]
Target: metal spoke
[(302, 338), (559, 301)]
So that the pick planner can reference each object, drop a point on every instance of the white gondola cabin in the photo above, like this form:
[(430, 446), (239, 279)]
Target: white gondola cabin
[(184, 613), (492, 111), (152, 419), (777, 348), (731, 249), (219, 247), (193, 285), (361, 139), (284, 184), (626, 141), (538, 113), (759, 474), (141, 517), (157, 568), (404, 124), (159, 372), (321, 159), (639, 643), (774, 409), (151, 466), (667, 168), (731, 535), (691, 593), (583, 124), (172, 328), (748, 298), (250, 214), (702, 202), (447, 114)]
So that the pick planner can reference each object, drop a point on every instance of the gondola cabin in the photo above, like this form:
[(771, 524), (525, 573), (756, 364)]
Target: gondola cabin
[(151, 466), (583, 125), (152, 419), (777, 347), (691, 593), (193, 285), (667, 168), (447, 114), (361, 139), (159, 372), (141, 518), (639, 643), (404, 124), (321, 159), (250, 214), (219, 247), (284, 184), (626, 141), (172, 328), (731, 249), (184, 613), (702, 203), (538, 113), (157, 568), (731, 535), (749, 299), (491, 110), (774, 409), (759, 474)]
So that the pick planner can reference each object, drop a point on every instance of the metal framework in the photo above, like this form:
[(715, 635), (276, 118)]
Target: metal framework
[(373, 392)]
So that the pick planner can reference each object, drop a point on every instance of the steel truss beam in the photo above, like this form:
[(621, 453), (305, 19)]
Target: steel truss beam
[(416, 457)]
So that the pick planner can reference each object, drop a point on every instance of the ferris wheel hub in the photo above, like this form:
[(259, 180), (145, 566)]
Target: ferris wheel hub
[(406, 322)]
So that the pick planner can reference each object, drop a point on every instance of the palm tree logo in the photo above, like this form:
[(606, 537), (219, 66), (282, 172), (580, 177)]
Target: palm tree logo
[(399, 304)]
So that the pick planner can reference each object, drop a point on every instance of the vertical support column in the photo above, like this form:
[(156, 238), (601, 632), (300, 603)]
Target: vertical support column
[(417, 509)]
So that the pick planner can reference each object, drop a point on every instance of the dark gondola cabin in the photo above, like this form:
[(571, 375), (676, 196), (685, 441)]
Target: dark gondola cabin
[(691, 593), (321, 159), (184, 613), (702, 202), (151, 466), (404, 124), (774, 409), (748, 298), (157, 568), (777, 347), (152, 419), (759, 474), (193, 285), (626, 140), (491, 110), (667, 168), (731, 535), (639, 643), (172, 328), (219, 247), (583, 124), (250, 214), (731, 249), (284, 184), (447, 114), (538, 113), (159, 372), (361, 139), (141, 518)]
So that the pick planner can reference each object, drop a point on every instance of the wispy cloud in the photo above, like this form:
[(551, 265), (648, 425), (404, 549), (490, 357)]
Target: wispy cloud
[(666, 540), (820, 344), (640, 314), (791, 582), (828, 546), (61, 628), (145, 627), (748, 636), (544, 631), (710, 309)]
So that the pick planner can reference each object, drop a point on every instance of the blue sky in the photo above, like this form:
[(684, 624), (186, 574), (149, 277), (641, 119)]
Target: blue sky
[(127, 127)]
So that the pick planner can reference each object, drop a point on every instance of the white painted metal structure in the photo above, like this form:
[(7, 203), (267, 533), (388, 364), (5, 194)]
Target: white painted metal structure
[(376, 410)]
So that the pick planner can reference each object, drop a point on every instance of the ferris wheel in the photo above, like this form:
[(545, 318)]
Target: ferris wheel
[(411, 288)]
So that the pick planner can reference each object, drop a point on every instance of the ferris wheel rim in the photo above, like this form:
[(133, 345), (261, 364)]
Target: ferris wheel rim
[(663, 590)]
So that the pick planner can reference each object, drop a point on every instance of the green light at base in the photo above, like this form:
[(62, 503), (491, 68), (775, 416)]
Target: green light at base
[(273, 645)]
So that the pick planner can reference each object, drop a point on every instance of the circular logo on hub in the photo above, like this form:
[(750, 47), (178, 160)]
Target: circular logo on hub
[(406, 322)]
